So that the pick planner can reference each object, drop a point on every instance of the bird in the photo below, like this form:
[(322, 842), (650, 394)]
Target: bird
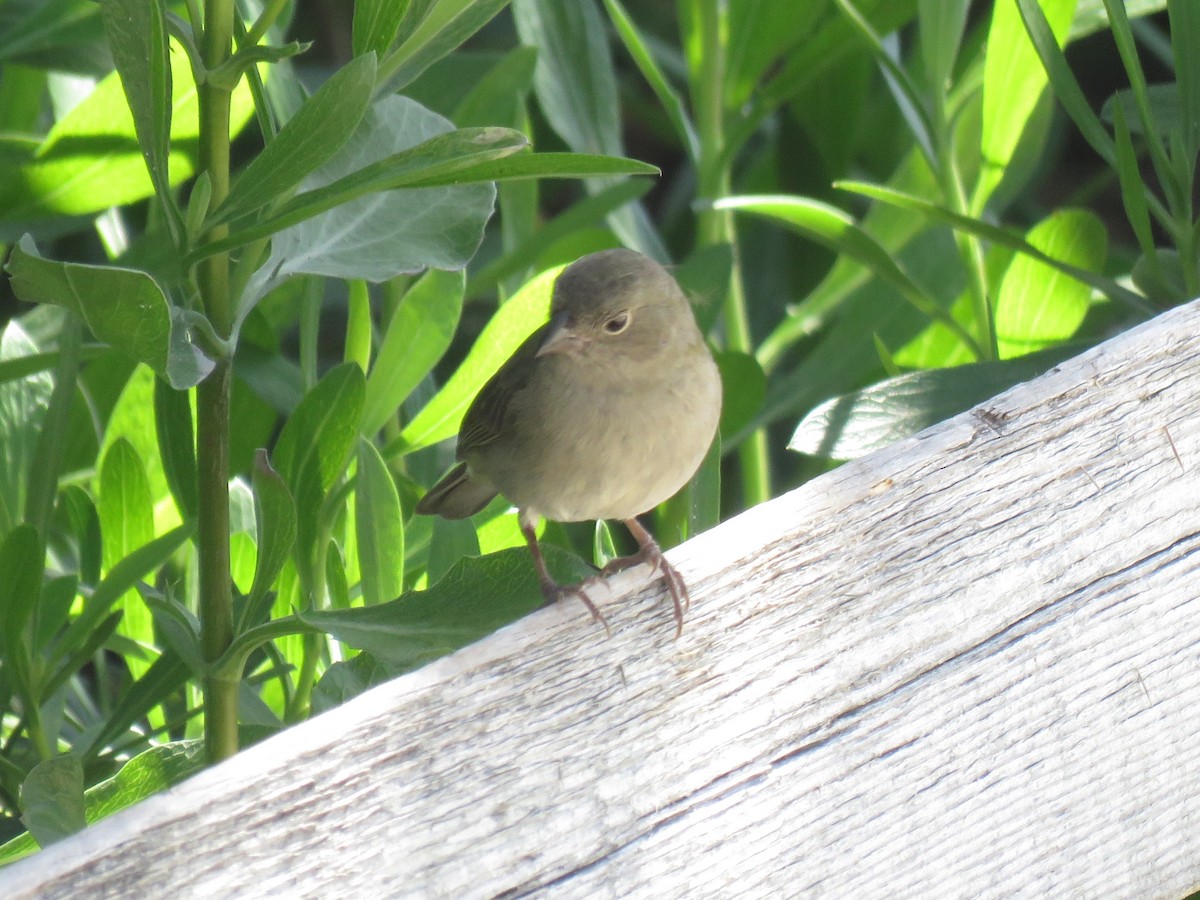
[(604, 412)]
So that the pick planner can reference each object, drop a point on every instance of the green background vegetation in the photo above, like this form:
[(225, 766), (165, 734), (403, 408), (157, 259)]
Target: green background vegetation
[(252, 285)]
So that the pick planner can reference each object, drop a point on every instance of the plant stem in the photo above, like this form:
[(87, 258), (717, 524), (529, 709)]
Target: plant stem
[(717, 226), (212, 405)]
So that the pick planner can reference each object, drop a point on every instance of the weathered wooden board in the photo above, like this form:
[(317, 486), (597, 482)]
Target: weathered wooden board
[(968, 665)]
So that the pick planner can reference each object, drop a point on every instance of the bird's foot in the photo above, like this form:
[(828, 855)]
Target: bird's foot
[(557, 593), (651, 553)]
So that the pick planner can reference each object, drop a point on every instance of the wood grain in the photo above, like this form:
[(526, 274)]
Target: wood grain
[(968, 665)]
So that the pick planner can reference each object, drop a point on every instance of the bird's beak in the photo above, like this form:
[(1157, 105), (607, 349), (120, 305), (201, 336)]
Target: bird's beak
[(561, 338)]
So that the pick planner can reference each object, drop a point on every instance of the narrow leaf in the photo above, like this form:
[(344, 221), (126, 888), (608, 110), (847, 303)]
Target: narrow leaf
[(838, 230), (323, 427), (379, 525), (419, 332), (137, 36), (177, 446), (998, 235), (310, 139), (275, 526)]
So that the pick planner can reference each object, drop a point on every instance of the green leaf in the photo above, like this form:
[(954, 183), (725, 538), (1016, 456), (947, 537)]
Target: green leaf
[(1185, 42), (351, 222), (124, 575), (576, 88), (179, 628), (838, 230), (998, 235), (451, 541), (525, 311), (1038, 306), (133, 419), (125, 308), (430, 31), (126, 517), (419, 332), (942, 23), (379, 525), (1091, 16), (313, 136), (760, 31), (375, 25), (22, 561), (275, 528), (477, 596), (347, 679), (862, 422), (150, 772), (59, 34), (23, 410), (165, 676), (323, 428), (127, 523), (177, 446), (667, 96), (55, 437), (1066, 88), (137, 36), (52, 799), (583, 214), (744, 387), (499, 97), (1013, 80), (704, 277), (1165, 110), (91, 158)]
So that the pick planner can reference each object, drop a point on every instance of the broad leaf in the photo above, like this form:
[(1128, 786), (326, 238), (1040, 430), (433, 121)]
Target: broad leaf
[(859, 423), (1038, 306), (52, 799), (384, 232), (123, 307), (477, 596)]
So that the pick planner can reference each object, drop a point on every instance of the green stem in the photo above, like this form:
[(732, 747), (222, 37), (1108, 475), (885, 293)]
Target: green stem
[(212, 405), (717, 226)]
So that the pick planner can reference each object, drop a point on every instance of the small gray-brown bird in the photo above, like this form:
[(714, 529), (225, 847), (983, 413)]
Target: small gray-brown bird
[(602, 413)]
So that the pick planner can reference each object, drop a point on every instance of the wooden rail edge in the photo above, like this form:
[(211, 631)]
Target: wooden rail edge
[(967, 665)]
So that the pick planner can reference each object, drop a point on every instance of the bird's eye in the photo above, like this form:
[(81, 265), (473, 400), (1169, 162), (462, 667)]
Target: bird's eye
[(617, 323)]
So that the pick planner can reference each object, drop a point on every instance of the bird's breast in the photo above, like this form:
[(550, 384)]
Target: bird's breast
[(599, 445)]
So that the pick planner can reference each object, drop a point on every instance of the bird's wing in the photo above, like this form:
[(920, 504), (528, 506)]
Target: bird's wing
[(485, 418)]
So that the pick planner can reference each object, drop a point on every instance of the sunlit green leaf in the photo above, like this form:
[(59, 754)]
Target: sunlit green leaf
[(525, 311), (1038, 306)]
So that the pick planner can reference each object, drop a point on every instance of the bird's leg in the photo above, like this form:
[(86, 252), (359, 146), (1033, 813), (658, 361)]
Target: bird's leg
[(651, 553), (552, 591)]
